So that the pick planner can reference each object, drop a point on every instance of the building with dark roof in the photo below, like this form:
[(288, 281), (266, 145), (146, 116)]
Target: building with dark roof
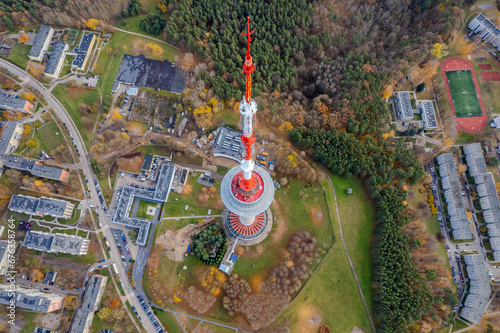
[(50, 276), (14, 102), (453, 197), (56, 60), (91, 303), (140, 71), (429, 121), (34, 167), (41, 206), (64, 243), (147, 163), (480, 290), (228, 144), (488, 31), (127, 195), (11, 136), (41, 43), (403, 105), (82, 52), (31, 298)]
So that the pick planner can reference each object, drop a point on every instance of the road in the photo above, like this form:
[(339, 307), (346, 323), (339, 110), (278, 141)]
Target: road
[(87, 171)]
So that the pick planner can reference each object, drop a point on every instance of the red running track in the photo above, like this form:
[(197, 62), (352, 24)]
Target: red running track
[(466, 124)]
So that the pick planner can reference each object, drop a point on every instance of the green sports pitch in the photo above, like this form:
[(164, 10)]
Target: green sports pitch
[(463, 94)]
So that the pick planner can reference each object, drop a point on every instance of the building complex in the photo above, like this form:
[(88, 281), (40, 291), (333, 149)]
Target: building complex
[(41, 206), (91, 303), (479, 291), (426, 108), (56, 60), (486, 191), (30, 298), (83, 51), (34, 167), (14, 102), (488, 31), (453, 196), (129, 196), (11, 136), (64, 243), (41, 43)]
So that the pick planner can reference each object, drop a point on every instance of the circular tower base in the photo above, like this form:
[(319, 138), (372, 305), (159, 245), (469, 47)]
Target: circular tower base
[(247, 235)]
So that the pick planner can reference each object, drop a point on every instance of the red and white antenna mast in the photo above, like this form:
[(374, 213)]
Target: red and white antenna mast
[(248, 109)]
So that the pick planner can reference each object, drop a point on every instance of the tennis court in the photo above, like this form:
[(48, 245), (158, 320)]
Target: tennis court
[(463, 93)]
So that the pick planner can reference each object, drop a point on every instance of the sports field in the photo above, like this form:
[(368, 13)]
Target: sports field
[(463, 93)]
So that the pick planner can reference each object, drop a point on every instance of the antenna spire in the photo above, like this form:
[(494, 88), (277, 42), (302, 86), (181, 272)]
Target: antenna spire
[(248, 66)]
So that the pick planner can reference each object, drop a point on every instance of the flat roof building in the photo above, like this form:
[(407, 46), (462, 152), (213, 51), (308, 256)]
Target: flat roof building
[(41, 43), (453, 196), (403, 105), (41, 206), (34, 167), (82, 52), (428, 115), (228, 144), (475, 159), (91, 303), (479, 291), (126, 197), (47, 242), (56, 60), (5, 251), (14, 102), (31, 298), (11, 136), (147, 163), (488, 31)]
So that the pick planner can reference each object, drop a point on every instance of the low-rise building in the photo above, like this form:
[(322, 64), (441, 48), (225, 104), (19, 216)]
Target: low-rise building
[(36, 168), (11, 136), (14, 102), (6, 251), (228, 144), (83, 51), (91, 303), (41, 43), (453, 196), (127, 195), (41, 206), (474, 158), (429, 121), (403, 105), (47, 242), (30, 298), (479, 291), (56, 60), (488, 31)]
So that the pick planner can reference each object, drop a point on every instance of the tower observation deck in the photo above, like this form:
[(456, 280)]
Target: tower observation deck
[(247, 190)]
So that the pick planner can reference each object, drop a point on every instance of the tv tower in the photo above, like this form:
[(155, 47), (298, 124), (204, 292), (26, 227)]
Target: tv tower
[(247, 190)]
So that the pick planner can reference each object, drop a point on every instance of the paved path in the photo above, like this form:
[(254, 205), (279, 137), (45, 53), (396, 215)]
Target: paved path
[(346, 250)]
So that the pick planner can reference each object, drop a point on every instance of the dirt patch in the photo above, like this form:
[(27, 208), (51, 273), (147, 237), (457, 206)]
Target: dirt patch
[(130, 164), (281, 224), (154, 260), (51, 321), (255, 282), (356, 329), (317, 216), (75, 91), (174, 243), (252, 252), (308, 319)]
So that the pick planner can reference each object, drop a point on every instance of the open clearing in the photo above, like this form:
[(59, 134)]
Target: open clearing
[(19, 54)]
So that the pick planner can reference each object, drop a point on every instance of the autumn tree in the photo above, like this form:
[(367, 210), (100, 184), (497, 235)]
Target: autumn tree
[(92, 23), (26, 95), (36, 275), (104, 313), (466, 49), (125, 135), (439, 50), (70, 302), (32, 143), (23, 38)]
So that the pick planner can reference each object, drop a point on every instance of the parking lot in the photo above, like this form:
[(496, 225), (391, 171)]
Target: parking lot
[(123, 247), (127, 105), (146, 308)]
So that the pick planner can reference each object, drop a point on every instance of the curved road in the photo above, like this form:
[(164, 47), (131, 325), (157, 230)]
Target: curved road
[(87, 171)]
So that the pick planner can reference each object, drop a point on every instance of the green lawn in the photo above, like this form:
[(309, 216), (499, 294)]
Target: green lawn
[(463, 93), (168, 320), (49, 136), (464, 137), (19, 54), (70, 98), (122, 43), (332, 290), (143, 208), (459, 325), (132, 23), (29, 321)]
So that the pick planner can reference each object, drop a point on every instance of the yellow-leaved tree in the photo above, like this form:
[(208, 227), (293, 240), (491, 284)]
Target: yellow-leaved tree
[(466, 49), (125, 136), (23, 38), (92, 23)]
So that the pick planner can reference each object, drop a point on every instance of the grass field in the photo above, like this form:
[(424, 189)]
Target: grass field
[(463, 93), (70, 97), (143, 208), (49, 136), (19, 54), (331, 292)]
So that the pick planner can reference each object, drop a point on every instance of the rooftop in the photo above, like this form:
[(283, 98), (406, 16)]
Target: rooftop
[(12, 102), (140, 71), (146, 163), (404, 104), (228, 144), (64, 243), (475, 159), (480, 289), (428, 114), (82, 50), (40, 206), (39, 43), (31, 299), (55, 57), (7, 134), (91, 300), (34, 167)]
